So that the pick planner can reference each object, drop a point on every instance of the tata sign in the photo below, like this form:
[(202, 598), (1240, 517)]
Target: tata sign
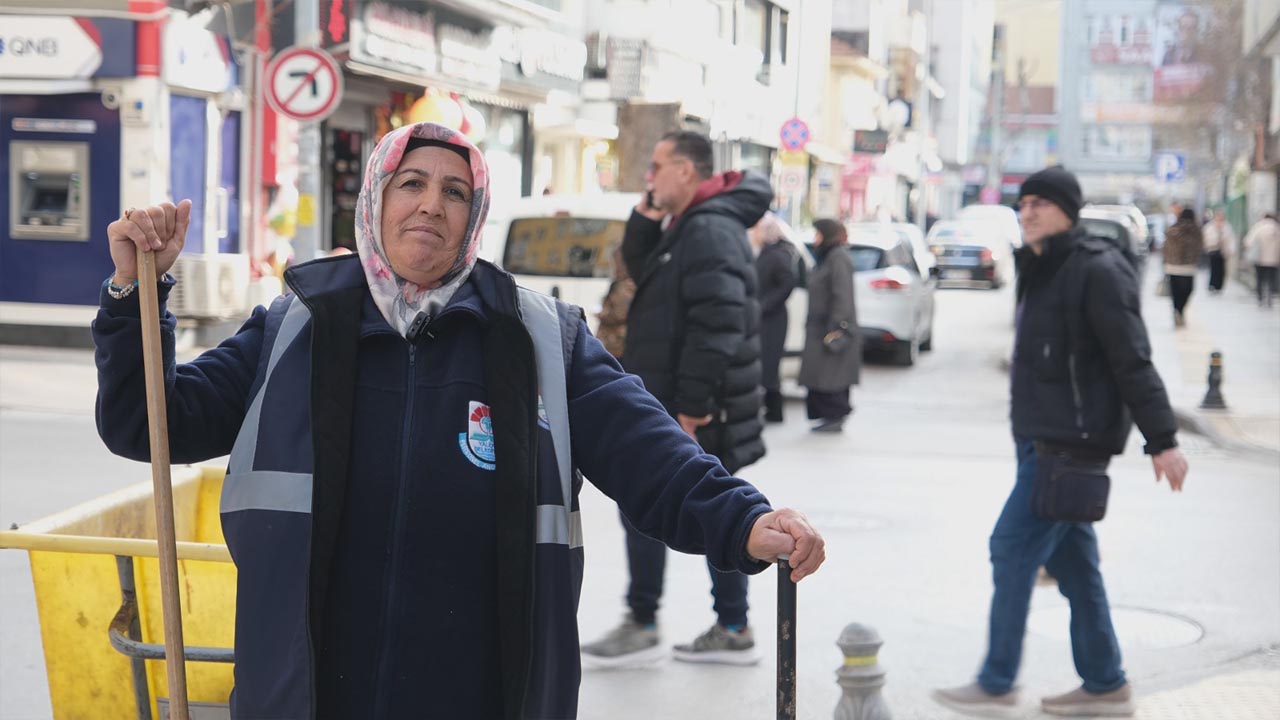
[(60, 48)]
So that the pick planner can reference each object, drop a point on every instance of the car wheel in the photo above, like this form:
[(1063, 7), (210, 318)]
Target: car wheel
[(926, 345), (906, 352)]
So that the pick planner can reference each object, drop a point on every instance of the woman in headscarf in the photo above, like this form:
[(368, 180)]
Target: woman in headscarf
[(408, 431), (776, 271), (832, 357)]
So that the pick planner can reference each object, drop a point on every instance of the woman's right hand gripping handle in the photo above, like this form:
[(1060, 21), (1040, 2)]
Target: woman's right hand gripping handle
[(160, 228)]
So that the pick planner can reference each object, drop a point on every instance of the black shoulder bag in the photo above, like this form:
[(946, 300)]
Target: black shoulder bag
[(1071, 484)]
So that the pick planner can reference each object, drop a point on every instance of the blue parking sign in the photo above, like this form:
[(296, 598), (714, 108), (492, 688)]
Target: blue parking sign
[(1171, 167)]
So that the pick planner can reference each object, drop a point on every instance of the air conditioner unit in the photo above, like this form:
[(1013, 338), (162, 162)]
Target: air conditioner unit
[(210, 285)]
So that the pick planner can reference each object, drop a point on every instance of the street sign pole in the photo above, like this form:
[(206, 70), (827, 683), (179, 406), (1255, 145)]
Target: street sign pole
[(306, 243)]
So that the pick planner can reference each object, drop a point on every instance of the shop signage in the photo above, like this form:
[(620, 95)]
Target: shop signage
[(535, 53), (468, 56), (195, 58), (52, 125), (870, 141), (395, 38), (48, 47), (304, 84)]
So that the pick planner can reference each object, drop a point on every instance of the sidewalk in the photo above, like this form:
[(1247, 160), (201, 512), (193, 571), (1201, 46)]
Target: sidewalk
[(1248, 338)]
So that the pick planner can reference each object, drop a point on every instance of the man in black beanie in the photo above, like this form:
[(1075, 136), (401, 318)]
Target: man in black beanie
[(1081, 377)]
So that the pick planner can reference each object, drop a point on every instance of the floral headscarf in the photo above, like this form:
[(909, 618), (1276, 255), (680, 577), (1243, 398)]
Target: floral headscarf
[(400, 300)]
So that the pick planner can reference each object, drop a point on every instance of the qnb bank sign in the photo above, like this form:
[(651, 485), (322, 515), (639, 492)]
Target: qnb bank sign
[(49, 47)]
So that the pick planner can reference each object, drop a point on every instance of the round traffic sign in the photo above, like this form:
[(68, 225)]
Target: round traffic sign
[(792, 180), (304, 84), (794, 134)]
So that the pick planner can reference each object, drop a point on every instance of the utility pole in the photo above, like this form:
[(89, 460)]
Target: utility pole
[(306, 244), (920, 115), (995, 169)]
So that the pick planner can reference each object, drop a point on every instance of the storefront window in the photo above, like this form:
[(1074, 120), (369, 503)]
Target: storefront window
[(503, 148), (345, 187), (755, 157)]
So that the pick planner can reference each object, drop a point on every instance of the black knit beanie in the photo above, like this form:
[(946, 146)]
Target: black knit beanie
[(1057, 186)]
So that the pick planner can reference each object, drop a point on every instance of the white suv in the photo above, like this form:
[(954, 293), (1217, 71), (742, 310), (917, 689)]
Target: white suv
[(563, 246)]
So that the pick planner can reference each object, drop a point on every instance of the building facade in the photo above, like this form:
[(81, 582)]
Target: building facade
[(734, 69)]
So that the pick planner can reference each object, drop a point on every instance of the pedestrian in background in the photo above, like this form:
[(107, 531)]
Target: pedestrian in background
[(1081, 369), (832, 357), (612, 328), (1183, 244), (401, 501), (1262, 249), (776, 270), (693, 338), (1219, 245)]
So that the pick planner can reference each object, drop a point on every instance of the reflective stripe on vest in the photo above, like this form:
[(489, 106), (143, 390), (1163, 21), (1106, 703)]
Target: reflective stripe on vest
[(248, 489), (245, 488), (556, 524)]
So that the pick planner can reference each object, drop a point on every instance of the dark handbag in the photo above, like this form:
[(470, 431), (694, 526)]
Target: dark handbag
[(1069, 487), (837, 340)]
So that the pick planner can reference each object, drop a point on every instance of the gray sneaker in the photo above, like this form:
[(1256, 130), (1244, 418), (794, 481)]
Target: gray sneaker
[(971, 699), (631, 644), (721, 645), (1080, 702)]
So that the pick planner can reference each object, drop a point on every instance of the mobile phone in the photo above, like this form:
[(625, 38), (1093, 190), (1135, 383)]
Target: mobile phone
[(648, 199)]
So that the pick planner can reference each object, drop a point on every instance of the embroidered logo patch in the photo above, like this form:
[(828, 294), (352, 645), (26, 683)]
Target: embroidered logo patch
[(477, 441)]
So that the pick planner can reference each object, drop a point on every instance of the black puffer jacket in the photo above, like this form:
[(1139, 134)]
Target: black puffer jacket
[(693, 327), (1082, 372)]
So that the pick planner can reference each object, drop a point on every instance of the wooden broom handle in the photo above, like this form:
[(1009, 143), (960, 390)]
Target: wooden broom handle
[(158, 422)]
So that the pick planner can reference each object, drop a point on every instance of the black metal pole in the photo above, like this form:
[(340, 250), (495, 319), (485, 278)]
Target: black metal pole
[(786, 642), (141, 695)]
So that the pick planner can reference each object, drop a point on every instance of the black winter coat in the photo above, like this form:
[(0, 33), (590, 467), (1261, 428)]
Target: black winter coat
[(776, 270), (1082, 371), (694, 324)]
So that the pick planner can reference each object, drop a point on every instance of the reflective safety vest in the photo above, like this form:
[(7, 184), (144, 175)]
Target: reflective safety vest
[(284, 487)]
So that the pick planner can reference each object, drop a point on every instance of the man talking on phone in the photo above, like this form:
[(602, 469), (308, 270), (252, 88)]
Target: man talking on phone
[(693, 338)]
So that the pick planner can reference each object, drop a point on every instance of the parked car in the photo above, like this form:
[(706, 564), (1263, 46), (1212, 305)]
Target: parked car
[(1119, 230), (1001, 220), (895, 298), (925, 260), (563, 246), (969, 255), (1136, 227)]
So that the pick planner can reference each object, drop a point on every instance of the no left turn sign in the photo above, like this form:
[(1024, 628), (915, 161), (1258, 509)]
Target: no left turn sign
[(304, 84)]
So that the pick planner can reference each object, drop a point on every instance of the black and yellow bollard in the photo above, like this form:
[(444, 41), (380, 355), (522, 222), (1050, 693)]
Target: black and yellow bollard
[(1213, 399), (861, 677)]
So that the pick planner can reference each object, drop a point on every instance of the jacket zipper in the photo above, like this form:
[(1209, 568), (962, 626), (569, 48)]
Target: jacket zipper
[(1075, 396), (381, 698)]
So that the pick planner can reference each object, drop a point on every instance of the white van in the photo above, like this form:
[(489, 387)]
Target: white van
[(563, 246), (998, 220)]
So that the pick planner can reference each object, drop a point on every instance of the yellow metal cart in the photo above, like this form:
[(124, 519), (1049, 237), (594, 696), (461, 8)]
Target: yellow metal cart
[(97, 588)]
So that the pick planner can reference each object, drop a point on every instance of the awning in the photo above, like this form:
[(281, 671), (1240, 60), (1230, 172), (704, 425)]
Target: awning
[(420, 81), (825, 153)]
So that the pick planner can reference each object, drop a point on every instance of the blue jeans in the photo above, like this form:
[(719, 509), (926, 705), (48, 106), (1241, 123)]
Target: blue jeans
[(1020, 544), (647, 560)]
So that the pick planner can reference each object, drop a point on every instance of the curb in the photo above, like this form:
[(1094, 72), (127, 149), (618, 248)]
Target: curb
[(1192, 422)]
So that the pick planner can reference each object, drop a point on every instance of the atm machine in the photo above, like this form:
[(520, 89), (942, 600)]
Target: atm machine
[(49, 190)]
